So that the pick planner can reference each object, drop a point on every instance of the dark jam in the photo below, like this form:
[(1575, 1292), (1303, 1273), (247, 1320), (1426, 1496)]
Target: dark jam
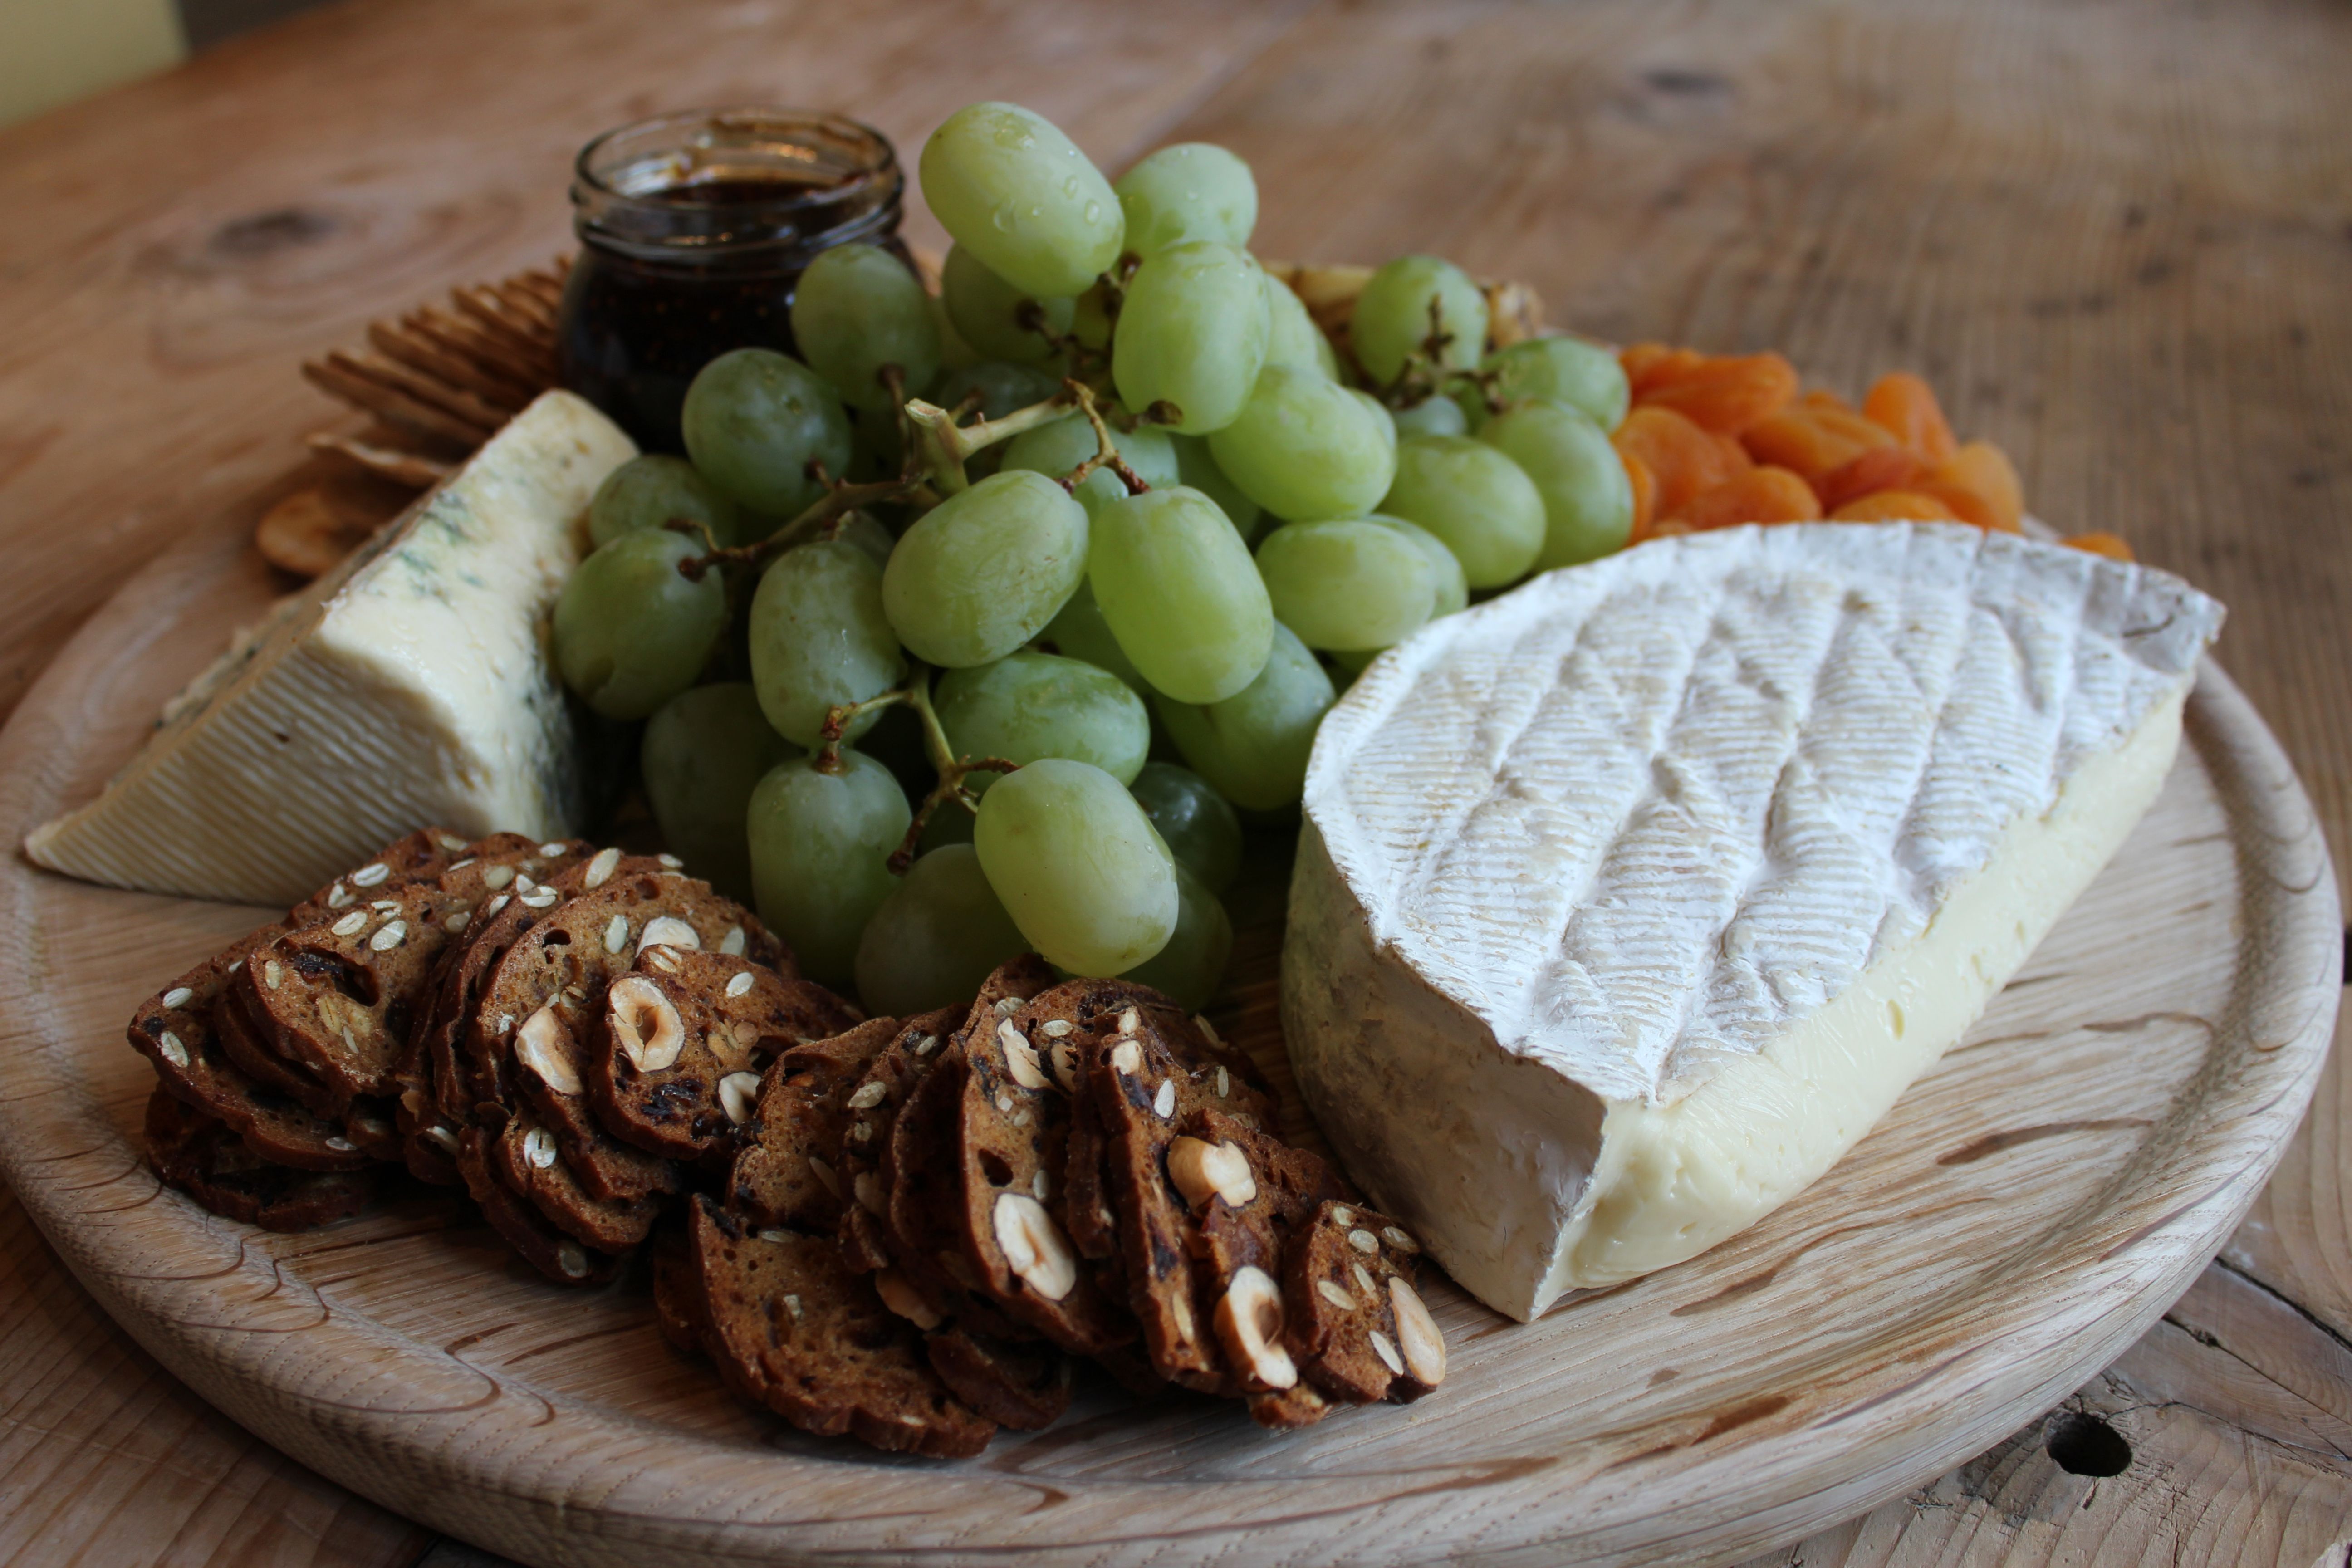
[(694, 231)]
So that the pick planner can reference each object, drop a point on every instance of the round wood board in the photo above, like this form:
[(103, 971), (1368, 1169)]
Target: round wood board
[(2025, 1213)]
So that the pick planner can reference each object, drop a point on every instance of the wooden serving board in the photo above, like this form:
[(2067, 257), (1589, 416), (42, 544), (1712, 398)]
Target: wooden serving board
[(2025, 1213)]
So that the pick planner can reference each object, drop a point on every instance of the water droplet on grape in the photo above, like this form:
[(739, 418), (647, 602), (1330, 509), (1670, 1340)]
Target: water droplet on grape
[(1094, 212), (1003, 216), (1070, 187)]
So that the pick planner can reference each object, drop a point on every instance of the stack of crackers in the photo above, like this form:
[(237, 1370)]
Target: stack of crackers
[(904, 1229)]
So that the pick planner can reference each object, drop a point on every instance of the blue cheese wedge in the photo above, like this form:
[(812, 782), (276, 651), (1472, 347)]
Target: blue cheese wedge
[(1626, 903), (410, 685)]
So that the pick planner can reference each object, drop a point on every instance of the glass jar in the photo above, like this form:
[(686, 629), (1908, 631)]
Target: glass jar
[(694, 230)]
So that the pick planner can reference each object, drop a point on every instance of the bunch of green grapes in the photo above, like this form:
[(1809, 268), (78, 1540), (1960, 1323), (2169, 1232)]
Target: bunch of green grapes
[(1053, 576)]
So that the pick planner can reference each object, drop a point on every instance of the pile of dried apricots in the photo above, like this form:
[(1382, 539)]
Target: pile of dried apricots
[(1716, 440)]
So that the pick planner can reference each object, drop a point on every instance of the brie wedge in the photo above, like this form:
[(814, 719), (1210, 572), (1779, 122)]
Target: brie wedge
[(1627, 902), (410, 685)]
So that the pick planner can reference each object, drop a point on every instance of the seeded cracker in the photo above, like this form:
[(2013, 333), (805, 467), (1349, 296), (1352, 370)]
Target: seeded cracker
[(791, 1170), (207, 1161), (1355, 1322), (684, 1040)]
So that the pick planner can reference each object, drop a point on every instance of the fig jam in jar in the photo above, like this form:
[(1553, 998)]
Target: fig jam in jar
[(694, 230)]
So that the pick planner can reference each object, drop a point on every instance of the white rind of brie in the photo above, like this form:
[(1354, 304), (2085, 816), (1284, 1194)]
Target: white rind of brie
[(411, 685), (1627, 902)]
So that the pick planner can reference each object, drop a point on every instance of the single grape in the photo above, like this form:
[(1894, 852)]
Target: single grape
[(1292, 336), (985, 570), (1588, 499), (1055, 449), (819, 638), (1347, 584), (1091, 320), (1252, 747), (1584, 375), (1192, 966), (955, 353), (1195, 821), (858, 308), (1431, 417), (1452, 588), (648, 491), (755, 419), (1381, 412), (705, 751), (863, 530), (1180, 592), (1197, 466), (1078, 867), (1392, 316), (1191, 191), (820, 844), (1193, 332), (1472, 495), (1003, 386), (1028, 705), (630, 632), (1306, 446), (936, 937), (1009, 186), (987, 311), (1079, 631)]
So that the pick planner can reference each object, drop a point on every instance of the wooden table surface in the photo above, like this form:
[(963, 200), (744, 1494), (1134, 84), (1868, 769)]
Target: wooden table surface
[(2117, 237)]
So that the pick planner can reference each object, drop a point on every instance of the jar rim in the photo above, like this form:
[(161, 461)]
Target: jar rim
[(880, 163)]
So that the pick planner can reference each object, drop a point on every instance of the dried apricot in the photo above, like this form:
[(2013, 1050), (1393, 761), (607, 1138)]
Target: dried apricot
[(1681, 458), (1814, 441), (1822, 397), (1725, 393), (1880, 468), (1764, 494), (1907, 406), (1647, 364), (1984, 470), (2110, 546), (1646, 495), (1894, 506)]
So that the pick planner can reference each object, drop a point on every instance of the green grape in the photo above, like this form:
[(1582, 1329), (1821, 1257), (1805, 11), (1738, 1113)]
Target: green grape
[(1090, 317), (1009, 186), (1431, 417), (1028, 705), (1306, 446), (1381, 411), (1054, 450), (1193, 332), (1196, 465), (1472, 495), (1191, 191), (1079, 631), (1178, 587), (819, 638), (754, 420), (1078, 867), (858, 308), (704, 752), (1452, 587), (1588, 499), (1192, 966), (630, 632), (950, 823), (1195, 821), (1581, 374), (985, 570), (821, 847), (936, 938), (878, 450), (955, 353), (1347, 584), (987, 311), (1392, 316), (1252, 747), (866, 530), (1292, 337), (648, 491)]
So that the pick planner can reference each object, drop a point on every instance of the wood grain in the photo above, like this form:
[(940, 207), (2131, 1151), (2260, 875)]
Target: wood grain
[(2112, 233)]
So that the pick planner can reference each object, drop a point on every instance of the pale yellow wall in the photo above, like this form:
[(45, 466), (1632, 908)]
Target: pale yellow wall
[(53, 51)]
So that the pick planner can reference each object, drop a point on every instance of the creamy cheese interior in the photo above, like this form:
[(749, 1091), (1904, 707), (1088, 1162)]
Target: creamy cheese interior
[(1628, 903)]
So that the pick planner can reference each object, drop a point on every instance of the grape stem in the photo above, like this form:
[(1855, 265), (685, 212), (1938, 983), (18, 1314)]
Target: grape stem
[(1420, 378), (939, 446), (953, 770), (1106, 450)]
